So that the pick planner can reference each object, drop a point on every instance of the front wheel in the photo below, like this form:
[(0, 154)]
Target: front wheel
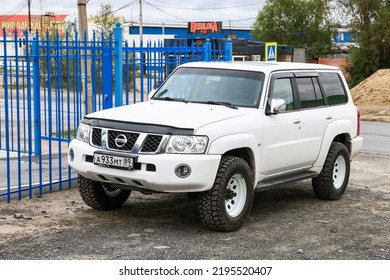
[(101, 196), (226, 206), (332, 182)]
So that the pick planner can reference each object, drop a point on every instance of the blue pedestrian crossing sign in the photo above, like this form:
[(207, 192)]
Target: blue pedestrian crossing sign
[(271, 51)]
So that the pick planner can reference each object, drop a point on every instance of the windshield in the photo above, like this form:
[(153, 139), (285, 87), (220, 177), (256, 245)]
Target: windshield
[(214, 86)]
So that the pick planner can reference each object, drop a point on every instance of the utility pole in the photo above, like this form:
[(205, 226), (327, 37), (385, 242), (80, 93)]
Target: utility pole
[(140, 22), (83, 33), (83, 22), (29, 15)]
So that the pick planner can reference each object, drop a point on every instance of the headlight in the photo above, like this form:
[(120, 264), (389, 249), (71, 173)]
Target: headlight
[(83, 132), (186, 144)]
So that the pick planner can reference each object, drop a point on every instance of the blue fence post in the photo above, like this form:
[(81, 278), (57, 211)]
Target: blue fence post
[(229, 50), (118, 65), (107, 76), (207, 50), (37, 97), (7, 144)]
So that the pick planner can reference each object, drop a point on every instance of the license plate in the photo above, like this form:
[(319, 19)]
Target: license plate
[(113, 161)]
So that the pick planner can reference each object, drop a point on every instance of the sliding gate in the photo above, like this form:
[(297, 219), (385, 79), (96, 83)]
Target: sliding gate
[(48, 83)]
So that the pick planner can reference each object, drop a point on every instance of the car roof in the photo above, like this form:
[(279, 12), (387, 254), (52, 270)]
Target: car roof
[(266, 67)]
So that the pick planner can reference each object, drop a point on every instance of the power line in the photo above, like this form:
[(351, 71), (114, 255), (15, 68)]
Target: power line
[(161, 10), (125, 6), (208, 8), (16, 9), (168, 9)]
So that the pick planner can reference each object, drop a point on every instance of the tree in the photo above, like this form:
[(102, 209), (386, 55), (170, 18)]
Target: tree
[(105, 20), (302, 23), (371, 20)]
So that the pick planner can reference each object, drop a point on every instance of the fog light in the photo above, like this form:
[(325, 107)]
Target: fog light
[(182, 170), (71, 154)]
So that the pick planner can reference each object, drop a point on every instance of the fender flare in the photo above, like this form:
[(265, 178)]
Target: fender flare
[(226, 143), (334, 129)]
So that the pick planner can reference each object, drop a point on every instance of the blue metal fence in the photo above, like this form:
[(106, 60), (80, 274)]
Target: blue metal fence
[(48, 83)]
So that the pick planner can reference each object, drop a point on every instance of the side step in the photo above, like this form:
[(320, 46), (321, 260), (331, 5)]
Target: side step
[(276, 182)]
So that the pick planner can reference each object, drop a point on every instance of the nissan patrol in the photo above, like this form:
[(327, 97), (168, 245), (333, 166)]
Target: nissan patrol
[(223, 130)]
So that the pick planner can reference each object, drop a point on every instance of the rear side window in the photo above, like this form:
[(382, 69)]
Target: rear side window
[(309, 92), (334, 89), (306, 92), (320, 98)]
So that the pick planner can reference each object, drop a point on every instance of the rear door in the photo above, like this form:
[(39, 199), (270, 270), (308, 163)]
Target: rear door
[(314, 115)]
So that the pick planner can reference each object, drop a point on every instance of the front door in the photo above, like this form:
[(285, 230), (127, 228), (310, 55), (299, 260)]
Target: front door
[(281, 141)]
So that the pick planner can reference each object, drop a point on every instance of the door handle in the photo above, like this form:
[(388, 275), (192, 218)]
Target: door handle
[(329, 117), (297, 121)]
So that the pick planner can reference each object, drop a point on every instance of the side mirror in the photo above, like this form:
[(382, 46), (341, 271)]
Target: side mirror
[(151, 93), (276, 106)]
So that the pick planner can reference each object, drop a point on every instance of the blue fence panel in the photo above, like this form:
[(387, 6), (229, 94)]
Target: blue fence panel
[(147, 65), (48, 83)]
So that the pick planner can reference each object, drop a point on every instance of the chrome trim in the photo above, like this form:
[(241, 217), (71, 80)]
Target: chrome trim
[(137, 145)]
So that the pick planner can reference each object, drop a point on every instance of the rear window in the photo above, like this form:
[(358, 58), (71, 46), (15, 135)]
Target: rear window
[(334, 90)]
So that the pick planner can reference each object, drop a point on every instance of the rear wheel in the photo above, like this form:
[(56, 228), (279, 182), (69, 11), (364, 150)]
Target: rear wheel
[(101, 196), (226, 206), (332, 182)]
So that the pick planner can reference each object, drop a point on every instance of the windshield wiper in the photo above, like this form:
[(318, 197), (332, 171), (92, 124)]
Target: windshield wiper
[(227, 104), (167, 98)]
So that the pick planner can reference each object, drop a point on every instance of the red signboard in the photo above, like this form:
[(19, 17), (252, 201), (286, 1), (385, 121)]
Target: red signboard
[(205, 27), (41, 23)]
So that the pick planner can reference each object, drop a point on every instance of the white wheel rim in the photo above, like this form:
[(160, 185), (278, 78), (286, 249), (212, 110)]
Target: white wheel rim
[(235, 197), (339, 170)]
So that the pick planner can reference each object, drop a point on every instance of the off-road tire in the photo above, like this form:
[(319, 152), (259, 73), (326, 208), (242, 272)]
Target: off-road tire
[(227, 205), (332, 182), (101, 196)]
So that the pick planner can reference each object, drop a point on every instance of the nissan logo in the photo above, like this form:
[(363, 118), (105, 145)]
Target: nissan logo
[(120, 140)]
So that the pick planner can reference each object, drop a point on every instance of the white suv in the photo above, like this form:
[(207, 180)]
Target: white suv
[(223, 130)]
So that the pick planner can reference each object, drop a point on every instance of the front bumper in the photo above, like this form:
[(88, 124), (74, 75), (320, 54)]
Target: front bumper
[(161, 177)]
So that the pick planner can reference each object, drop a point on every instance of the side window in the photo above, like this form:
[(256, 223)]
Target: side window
[(283, 89), (309, 92), (306, 92), (334, 89), (319, 96)]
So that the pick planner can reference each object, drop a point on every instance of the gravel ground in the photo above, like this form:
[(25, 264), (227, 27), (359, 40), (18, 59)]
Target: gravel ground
[(285, 223)]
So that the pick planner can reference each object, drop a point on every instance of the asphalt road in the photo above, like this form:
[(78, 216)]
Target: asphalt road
[(376, 137)]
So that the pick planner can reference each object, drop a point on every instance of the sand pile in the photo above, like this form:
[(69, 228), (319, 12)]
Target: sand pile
[(372, 96), (375, 90)]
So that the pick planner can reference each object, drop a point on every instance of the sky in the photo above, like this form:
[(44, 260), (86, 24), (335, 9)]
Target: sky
[(230, 12)]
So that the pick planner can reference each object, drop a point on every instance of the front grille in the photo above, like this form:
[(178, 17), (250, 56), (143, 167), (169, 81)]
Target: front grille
[(96, 137), (128, 138), (126, 141), (151, 144)]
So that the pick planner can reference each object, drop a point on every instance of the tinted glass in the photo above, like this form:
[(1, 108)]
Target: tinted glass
[(306, 92), (319, 96), (334, 90)]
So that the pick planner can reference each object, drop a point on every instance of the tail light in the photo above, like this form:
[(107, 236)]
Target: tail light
[(358, 121)]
